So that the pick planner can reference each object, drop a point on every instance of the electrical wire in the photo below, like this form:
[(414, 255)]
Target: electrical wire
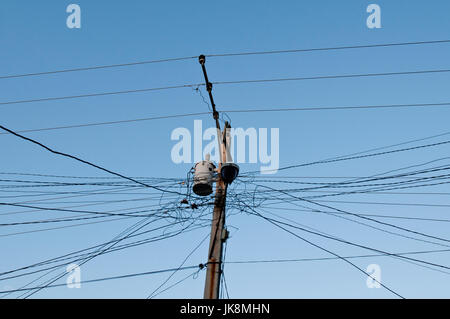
[(239, 110), (102, 279), (154, 292), (262, 261), (362, 217), (329, 48), (340, 159), (323, 77), (334, 76), (127, 64), (324, 249), (112, 122), (330, 108), (71, 97), (83, 161)]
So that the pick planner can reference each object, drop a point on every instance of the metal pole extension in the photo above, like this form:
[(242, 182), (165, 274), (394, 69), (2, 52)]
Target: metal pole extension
[(201, 60), (218, 233)]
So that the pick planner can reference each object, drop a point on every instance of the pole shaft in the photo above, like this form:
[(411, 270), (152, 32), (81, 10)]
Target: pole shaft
[(214, 266)]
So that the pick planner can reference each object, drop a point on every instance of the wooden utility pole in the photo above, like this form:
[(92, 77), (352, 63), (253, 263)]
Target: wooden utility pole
[(218, 232), (218, 237)]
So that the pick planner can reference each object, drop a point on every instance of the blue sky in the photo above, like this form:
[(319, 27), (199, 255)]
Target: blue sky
[(34, 38)]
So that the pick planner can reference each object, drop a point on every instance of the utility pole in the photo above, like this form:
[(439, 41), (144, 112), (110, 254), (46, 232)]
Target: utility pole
[(218, 237), (218, 233)]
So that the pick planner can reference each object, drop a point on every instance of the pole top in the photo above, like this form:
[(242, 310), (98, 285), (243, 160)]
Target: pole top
[(201, 59)]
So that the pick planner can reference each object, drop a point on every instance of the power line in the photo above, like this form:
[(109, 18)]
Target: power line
[(154, 292), (167, 235), (367, 225), (46, 99), (70, 209), (73, 211), (102, 279), (411, 183), (103, 191), (224, 281), (324, 108), (363, 217), (63, 227), (114, 242), (262, 261), (268, 261), (180, 281), (337, 76), (98, 252), (358, 153), (375, 178), (276, 223), (113, 122), (66, 226), (385, 203), (225, 284), (354, 244), (85, 162), (370, 192), (86, 177), (323, 77), (80, 254), (102, 215), (339, 159), (376, 187), (97, 67), (328, 48), (286, 109), (360, 216), (179, 220), (380, 190), (370, 215), (127, 233)]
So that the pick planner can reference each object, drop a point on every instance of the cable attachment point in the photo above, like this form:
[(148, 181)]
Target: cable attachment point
[(225, 234), (201, 59)]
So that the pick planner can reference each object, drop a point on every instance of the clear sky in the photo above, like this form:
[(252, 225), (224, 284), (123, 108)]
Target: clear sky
[(34, 38)]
